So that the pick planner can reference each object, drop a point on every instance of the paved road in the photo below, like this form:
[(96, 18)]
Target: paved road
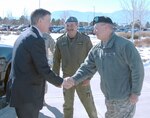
[(54, 102)]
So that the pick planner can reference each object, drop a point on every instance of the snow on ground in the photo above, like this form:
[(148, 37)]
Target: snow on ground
[(144, 51), (145, 54), (8, 39)]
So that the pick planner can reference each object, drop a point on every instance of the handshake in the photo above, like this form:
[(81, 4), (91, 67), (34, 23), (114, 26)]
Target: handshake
[(68, 82)]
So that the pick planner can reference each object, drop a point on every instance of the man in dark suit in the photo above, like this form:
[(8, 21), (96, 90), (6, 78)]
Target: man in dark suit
[(30, 67)]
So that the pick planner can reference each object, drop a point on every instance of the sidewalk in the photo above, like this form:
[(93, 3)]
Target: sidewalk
[(54, 102)]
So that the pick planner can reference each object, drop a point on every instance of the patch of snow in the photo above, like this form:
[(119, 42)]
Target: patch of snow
[(144, 51)]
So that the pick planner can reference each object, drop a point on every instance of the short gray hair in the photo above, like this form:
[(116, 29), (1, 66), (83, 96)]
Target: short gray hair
[(37, 14)]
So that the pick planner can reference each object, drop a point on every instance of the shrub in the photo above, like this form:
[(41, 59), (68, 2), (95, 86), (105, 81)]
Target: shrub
[(127, 35), (138, 42), (143, 42)]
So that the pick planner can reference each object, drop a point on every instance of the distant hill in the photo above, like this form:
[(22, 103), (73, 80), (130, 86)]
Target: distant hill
[(118, 17)]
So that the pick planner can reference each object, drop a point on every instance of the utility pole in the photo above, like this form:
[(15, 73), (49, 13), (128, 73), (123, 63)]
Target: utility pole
[(94, 11), (39, 3)]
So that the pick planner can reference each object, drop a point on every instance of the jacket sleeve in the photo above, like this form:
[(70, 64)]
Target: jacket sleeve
[(135, 64), (86, 70), (38, 55), (89, 46), (56, 59)]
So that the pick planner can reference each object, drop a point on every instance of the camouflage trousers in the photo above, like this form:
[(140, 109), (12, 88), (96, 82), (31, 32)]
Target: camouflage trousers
[(119, 108), (86, 97)]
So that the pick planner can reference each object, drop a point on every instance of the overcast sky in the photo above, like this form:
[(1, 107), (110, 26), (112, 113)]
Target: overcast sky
[(17, 7)]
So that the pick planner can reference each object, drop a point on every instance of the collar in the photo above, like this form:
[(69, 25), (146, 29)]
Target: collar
[(111, 40), (76, 36), (40, 33)]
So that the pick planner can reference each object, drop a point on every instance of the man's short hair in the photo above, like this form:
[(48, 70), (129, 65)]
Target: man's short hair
[(37, 14), (102, 19)]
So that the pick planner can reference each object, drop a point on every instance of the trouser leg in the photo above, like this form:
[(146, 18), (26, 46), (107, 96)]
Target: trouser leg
[(86, 97), (119, 109), (27, 111), (68, 102)]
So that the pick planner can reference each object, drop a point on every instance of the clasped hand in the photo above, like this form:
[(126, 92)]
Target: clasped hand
[(68, 82)]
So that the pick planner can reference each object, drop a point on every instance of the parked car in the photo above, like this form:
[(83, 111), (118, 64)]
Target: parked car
[(89, 30), (86, 29), (81, 29), (5, 65), (4, 27), (56, 29), (21, 28)]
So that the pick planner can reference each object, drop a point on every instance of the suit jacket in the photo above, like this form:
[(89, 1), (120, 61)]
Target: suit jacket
[(30, 70)]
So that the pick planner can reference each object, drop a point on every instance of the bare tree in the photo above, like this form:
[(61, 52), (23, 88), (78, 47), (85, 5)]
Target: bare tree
[(136, 10), (25, 15), (65, 15), (142, 11), (9, 15), (147, 25), (8, 18)]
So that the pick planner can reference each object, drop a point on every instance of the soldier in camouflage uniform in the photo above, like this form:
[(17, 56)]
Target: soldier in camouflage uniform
[(71, 50), (120, 67), (49, 46)]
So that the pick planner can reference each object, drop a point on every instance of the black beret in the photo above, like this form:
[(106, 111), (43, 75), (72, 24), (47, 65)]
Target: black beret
[(102, 19), (72, 19)]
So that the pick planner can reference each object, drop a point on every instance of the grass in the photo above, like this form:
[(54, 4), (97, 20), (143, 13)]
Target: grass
[(143, 42), (137, 35), (140, 38)]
